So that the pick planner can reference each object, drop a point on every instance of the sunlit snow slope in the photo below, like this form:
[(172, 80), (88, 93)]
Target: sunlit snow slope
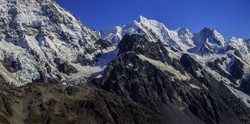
[(39, 41)]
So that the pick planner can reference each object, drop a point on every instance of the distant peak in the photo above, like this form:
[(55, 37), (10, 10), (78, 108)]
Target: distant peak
[(182, 29), (143, 19), (233, 38), (206, 30), (216, 32)]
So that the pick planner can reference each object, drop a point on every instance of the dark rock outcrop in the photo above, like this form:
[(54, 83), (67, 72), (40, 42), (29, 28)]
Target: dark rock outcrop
[(64, 67), (236, 70), (156, 51), (237, 53), (230, 48), (245, 85), (11, 66), (83, 61), (103, 44), (215, 65), (140, 45)]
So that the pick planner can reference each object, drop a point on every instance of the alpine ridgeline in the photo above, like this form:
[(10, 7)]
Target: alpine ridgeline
[(228, 61)]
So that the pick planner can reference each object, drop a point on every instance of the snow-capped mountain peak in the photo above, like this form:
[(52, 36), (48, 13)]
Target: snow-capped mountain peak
[(204, 33), (151, 29), (213, 35), (151, 23), (143, 19), (218, 38), (233, 38), (43, 40)]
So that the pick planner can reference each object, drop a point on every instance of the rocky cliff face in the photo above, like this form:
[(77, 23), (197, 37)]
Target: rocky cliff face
[(39, 39), (172, 84)]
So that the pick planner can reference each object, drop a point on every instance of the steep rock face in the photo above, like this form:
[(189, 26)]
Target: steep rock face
[(236, 69), (85, 104), (34, 33), (138, 45), (245, 85), (186, 90), (217, 64)]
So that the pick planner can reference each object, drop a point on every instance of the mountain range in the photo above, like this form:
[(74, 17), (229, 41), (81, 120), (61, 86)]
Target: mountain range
[(54, 69), (226, 60)]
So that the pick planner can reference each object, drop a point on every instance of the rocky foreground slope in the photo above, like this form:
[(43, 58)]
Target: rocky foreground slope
[(57, 104)]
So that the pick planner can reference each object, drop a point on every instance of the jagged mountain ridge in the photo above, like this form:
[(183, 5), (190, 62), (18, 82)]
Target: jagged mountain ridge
[(171, 83), (39, 40), (227, 60), (181, 38)]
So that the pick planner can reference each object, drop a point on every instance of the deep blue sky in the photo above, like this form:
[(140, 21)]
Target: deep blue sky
[(229, 17)]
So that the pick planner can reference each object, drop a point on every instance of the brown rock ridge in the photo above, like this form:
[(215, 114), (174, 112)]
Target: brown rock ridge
[(85, 104)]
